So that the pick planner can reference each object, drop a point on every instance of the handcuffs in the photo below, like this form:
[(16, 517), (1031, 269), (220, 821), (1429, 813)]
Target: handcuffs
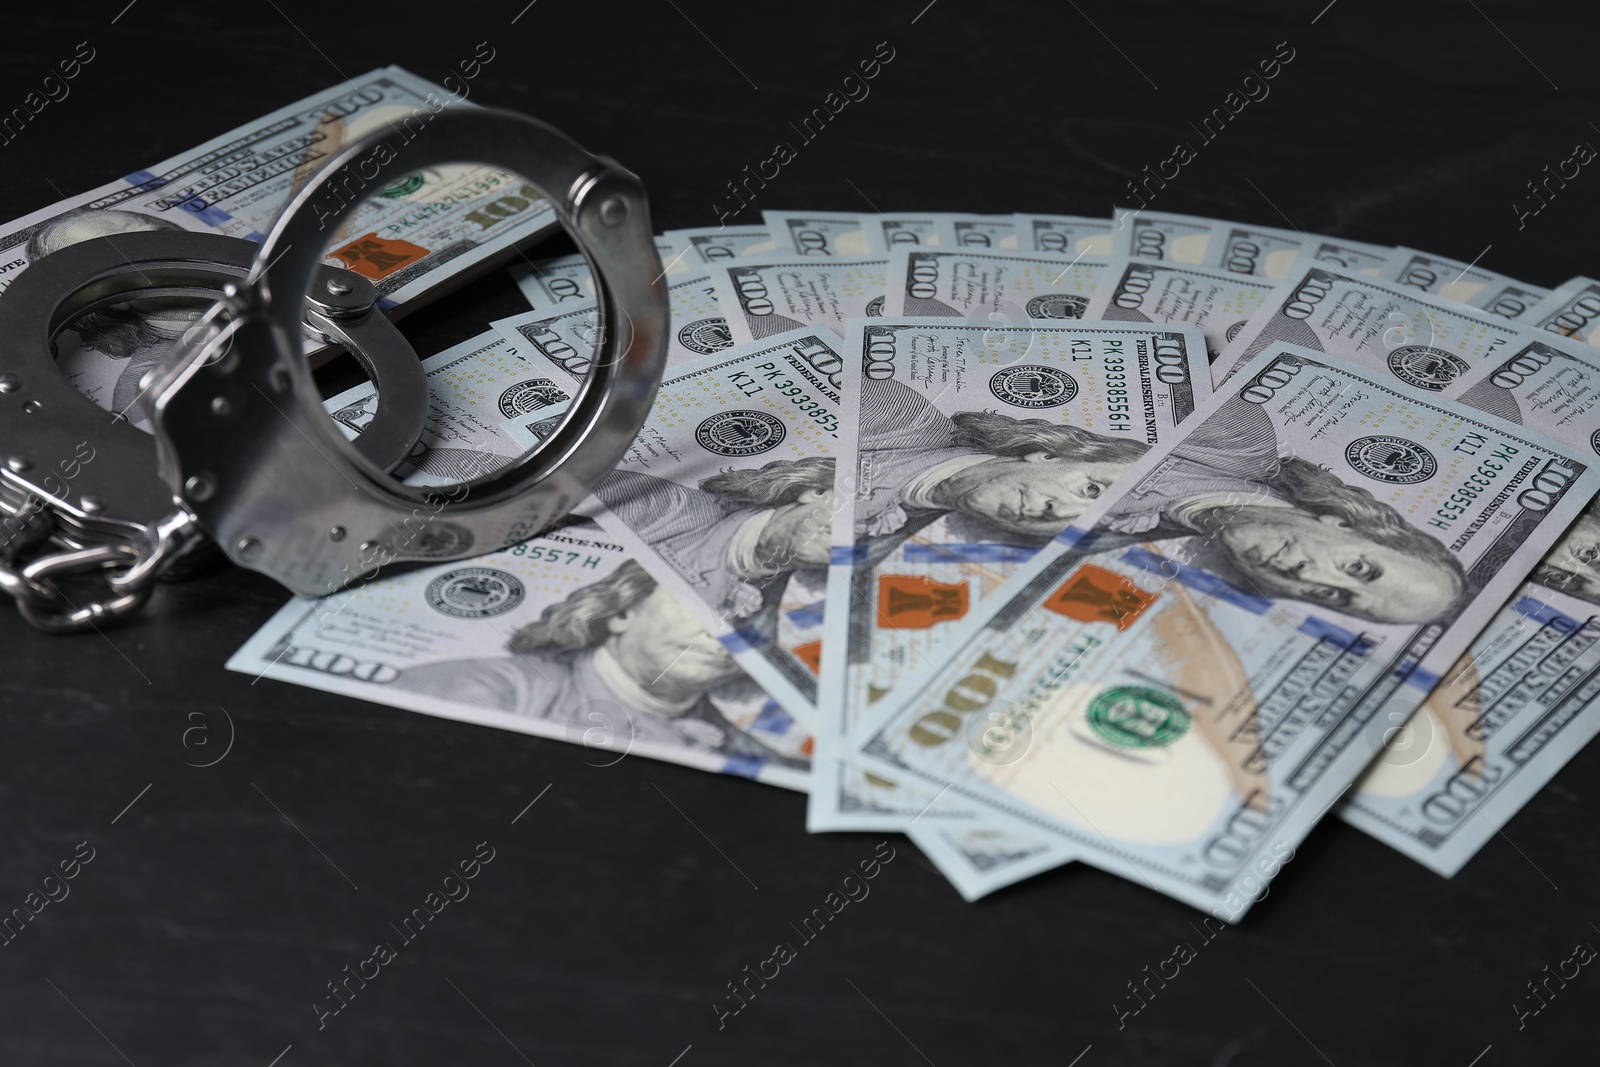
[(242, 452)]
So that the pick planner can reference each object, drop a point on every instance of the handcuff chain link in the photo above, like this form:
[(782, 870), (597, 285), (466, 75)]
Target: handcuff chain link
[(26, 527), (29, 575)]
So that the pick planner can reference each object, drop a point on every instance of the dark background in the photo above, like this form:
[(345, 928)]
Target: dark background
[(606, 925)]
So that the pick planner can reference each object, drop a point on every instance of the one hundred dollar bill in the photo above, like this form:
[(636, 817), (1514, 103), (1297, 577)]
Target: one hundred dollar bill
[(1423, 341), (1176, 687), (997, 232), (1351, 257), (809, 233), (1525, 697), (550, 283), (547, 283), (473, 389), (769, 295), (979, 859), (924, 228), (566, 336), (1571, 310), (726, 498), (1218, 302), (1466, 282), (713, 244), (1064, 233), (1260, 251), (992, 287), (1161, 235), (406, 238), (418, 233), (1268, 252), (948, 496), (561, 636), (1501, 722), (976, 861), (1510, 299)]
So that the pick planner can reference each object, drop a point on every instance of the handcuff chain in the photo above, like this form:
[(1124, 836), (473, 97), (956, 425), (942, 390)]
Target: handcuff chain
[(29, 525), (31, 582)]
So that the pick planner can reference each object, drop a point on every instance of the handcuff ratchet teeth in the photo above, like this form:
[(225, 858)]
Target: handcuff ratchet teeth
[(243, 440)]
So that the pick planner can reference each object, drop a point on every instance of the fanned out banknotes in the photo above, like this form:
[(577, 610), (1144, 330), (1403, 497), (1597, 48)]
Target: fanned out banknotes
[(1144, 541)]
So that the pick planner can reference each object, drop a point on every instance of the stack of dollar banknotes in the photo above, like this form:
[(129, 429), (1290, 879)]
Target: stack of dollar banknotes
[(1144, 541)]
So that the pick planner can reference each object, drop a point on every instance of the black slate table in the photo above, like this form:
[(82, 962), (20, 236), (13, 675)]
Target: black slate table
[(221, 900)]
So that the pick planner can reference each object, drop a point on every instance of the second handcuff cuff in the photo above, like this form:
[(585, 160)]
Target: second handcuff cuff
[(244, 449)]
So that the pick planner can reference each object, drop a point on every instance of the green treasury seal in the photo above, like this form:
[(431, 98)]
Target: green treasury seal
[(1133, 716)]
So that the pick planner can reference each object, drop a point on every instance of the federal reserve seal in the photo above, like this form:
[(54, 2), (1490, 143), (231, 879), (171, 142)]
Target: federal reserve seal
[(1391, 459), (706, 336), (1425, 367), (740, 433), (525, 398), (1133, 716), (874, 307), (474, 593), (1594, 442), (1029, 385), (1057, 306), (1233, 331)]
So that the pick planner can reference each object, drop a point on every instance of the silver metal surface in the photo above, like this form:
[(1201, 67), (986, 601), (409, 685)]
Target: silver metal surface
[(90, 275), (79, 490), (283, 493)]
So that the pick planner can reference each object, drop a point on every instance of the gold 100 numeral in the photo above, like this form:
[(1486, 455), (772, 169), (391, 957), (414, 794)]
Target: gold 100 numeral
[(974, 691)]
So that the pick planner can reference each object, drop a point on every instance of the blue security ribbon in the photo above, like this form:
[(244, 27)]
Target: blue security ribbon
[(773, 719), (968, 552), (1075, 537), (1320, 629), (847, 555), (744, 766), (743, 639), (1197, 579), (1542, 613), (808, 615)]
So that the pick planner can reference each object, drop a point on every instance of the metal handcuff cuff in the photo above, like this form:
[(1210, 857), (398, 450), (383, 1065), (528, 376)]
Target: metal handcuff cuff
[(245, 453), (79, 488)]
